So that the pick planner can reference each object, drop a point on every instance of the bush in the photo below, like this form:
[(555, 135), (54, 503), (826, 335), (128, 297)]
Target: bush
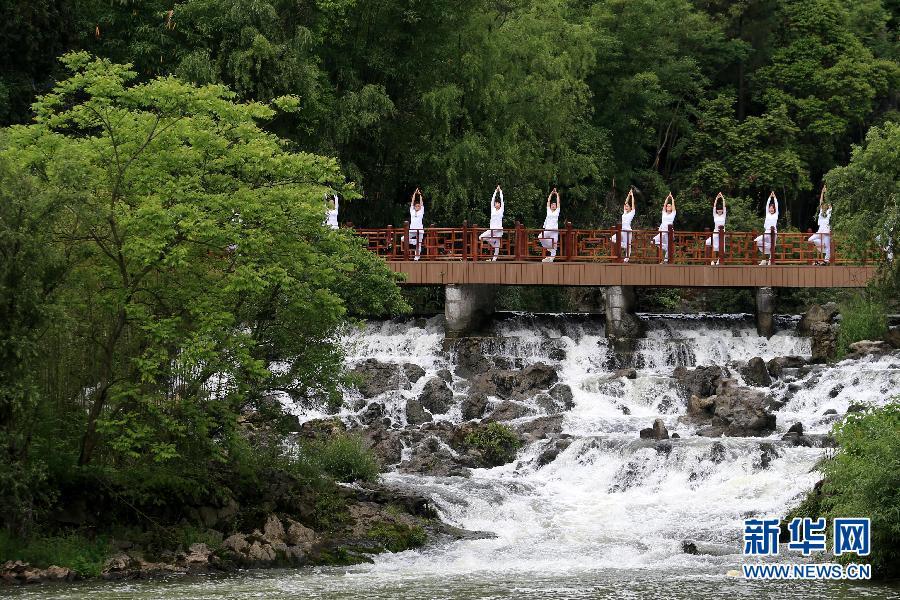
[(497, 443), (84, 556), (344, 458), (863, 480), (397, 537), (861, 319)]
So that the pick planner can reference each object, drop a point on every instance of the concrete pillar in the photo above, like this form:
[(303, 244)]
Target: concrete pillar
[(467, 307), (622, 326), (765, 309)]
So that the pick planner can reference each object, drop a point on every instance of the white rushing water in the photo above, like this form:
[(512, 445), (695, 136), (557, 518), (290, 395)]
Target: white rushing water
[(608, 516)]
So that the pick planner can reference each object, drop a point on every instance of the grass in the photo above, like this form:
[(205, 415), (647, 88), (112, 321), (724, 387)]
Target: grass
[(861, 319), (396, 537), (496, 442), (345, 458), (83, 555)]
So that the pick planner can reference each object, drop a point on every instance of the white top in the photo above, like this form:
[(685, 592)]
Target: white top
[(551, 221), (825, 221), (668, 218), (331, 215), (719, 220), (771, 218), (416, 217), (627, 217), (497, 213)]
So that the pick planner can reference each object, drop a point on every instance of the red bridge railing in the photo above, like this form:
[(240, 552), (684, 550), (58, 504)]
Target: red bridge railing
[(596, 245)]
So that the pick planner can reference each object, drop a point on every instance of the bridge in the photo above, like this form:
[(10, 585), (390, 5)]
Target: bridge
[(456, 258)]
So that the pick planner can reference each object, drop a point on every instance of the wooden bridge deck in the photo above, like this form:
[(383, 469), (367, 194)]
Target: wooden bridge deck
[(434, 272)]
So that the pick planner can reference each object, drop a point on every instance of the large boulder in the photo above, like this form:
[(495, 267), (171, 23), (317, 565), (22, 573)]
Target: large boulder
[(733, 411), (558, 399), (469, 358), (385, 444), (540, 428), (413, 372), (433, 458), (515, 384), (436, 396), (509, 411), (657, 432), (777, 365), (816, 313), (824, 341), (699, 382), (415, 412), (474, 405), (375, 377), (755, 372), (867, 347)]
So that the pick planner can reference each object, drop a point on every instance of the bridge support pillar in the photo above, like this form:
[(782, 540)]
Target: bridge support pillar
[(765, 310), (467, 307), (622, 326)]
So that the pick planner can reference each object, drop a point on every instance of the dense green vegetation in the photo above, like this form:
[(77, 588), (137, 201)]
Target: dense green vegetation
[(165, 275), (862, 318), (497, 442), (863, 480)]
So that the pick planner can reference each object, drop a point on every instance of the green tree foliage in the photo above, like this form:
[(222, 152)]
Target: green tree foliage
[(165, 271), (863, 480)]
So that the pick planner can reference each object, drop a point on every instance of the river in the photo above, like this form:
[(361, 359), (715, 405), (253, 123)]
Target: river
[(608, 516)]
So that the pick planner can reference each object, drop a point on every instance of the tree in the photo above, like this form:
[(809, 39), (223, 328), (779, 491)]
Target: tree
[(202, 278)]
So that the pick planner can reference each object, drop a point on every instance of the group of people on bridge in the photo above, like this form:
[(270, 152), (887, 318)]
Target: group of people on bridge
[(550, 235)]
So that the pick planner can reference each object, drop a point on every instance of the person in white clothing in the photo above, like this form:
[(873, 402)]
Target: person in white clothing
[(668, 218), (822, 238), (331, 213), (765, 242), (550, 236), (720, 214), (416, 222), (628, 212), (493, 235)]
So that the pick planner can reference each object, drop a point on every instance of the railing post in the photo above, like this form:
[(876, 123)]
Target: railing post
[(570, 241), (520, 241), (406, 241), (671, 244), (392, 248), (832, 258), (707, 250), (772, 247), (465, 240), (721, 234), (617, 245)]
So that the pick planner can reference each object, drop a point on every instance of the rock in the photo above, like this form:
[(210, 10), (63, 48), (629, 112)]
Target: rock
[(549, 454), (446, 375), (733, 411), (854, 408), (817, 314), (436, 396), (300, 535), (675, 436), (509, 411), (824, 341), (562, 394), (835, 391), (273, 530), (830, 411), (376, 377), (321, 429), (767, 453), (556, 354), (197, 556), (509, 384), (470, 360), (796, 428), (755, 373), (892, 337), (717, 452), (796, 439), (386, 444), (777, 365), (118, 566), (540, 428), (689, 547), (432, 458), (56, 573), (473, 406), (657, 432), (415, 412), (700, 382), (867, 347), (262, 553), (626, 373), (236, 543), (413, 372)]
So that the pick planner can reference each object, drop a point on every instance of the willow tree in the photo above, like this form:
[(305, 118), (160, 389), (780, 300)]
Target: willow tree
[(200, 277)]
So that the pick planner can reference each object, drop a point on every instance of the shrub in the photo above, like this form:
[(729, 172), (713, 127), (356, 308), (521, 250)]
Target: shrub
[(397, 537), (861, 319), (344, 458), (497, 443), (863, 480), (84, 556)]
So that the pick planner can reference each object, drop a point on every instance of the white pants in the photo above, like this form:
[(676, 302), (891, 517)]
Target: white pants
[(822, 241), (662, 239), (550, 240), (492, 237), (764, 243), (625, 243), (713, 241), (415, 239)]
